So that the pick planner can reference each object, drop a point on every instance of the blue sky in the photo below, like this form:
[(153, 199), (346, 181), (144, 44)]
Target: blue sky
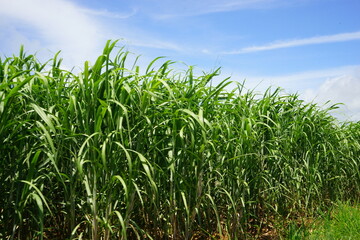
[(307, 46)]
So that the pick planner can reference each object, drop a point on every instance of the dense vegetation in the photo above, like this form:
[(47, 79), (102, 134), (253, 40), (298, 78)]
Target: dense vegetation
[(116, 153)]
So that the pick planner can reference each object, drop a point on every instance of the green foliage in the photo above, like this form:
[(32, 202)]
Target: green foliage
[(113, 153)]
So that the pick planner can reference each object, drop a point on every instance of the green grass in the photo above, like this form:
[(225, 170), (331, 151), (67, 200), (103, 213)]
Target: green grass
[(342, 223), (119, 152)]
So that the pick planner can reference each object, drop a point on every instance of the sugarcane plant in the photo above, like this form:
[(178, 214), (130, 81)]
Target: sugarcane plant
[(119, 152)]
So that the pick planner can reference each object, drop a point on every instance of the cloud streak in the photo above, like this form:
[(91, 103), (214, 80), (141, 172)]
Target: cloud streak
[(342, 37), (171, 9), (108, 14), (155, 44)]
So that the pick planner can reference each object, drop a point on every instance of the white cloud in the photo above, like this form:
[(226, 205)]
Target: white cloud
[(299, 81), (344, 89), (55, 24), (337, 85), (342, 37), (62, 25)]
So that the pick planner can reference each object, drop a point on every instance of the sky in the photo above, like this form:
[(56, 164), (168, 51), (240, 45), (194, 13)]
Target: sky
[(309, 47)]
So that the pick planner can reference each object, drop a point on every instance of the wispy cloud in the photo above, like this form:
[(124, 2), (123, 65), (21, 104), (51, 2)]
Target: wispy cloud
[(170, 9), (109, 14), (154, 44), (342, 37)]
